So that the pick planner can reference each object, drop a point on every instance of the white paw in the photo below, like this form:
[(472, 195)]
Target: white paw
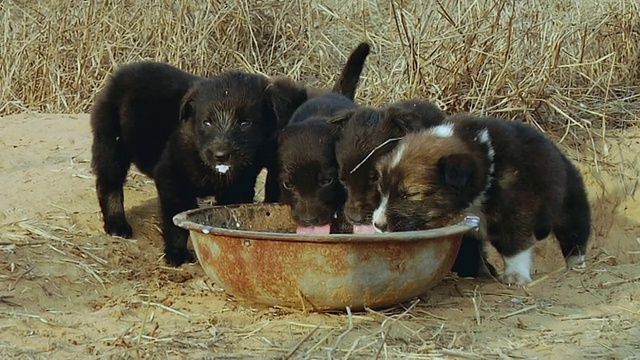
[(515, 278), (576, 262), (517, 268)]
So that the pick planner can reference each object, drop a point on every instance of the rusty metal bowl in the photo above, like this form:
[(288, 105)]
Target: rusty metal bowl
[(252, 252)]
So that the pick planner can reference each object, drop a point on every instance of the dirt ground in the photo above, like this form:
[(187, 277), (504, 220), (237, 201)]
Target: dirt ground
[(69, 291)]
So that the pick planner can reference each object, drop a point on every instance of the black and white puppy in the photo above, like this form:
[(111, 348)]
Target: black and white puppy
[(194, 136), (507, 172)]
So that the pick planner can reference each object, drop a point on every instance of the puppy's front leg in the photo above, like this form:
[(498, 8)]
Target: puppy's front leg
[(176, 195), (272, 185), (517, 267), (242, 191)]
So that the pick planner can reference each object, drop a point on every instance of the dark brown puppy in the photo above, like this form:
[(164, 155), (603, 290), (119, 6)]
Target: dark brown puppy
[(366, 134), (194, 136), (511, 175), (306, 154)]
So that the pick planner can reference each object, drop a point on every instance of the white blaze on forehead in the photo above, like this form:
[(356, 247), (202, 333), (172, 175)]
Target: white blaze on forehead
[(397, 155), (518, 267), (443, 131), (379, 215)]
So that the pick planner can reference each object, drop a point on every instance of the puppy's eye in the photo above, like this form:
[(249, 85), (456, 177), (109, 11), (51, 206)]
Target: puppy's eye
[(245, 123), (287, 185), (207, 123), (373, 177), (408, 195), (430, 192), (326, 182)]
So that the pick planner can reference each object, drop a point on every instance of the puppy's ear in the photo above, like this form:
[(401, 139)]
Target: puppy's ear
[(285, 97), (457, 171), (339, 121), (341, 118), (187, 108), (403, 120)]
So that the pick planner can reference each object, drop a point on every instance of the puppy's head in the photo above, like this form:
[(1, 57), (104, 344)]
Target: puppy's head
[(367, 134), (309, 172), (428, 179), (232, 117)]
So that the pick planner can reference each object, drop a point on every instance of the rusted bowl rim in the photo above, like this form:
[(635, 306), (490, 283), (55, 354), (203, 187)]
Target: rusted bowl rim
[(468, 223)]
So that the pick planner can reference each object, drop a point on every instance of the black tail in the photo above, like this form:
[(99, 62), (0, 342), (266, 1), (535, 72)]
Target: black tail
[(350, 76)]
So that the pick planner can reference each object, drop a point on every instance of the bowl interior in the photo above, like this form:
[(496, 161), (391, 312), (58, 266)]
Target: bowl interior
[(274, 222)]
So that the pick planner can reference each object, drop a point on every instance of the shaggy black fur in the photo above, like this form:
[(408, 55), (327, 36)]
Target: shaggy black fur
[(194, 136)]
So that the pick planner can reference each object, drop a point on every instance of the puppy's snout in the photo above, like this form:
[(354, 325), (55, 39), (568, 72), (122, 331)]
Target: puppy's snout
[(380, 218), (221, 156), (217, 156), (353, 214), (380, 226), (306, 219)]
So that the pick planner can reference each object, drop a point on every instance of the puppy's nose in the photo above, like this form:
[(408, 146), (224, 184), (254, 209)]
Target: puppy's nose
[(380, 226), (306, 219), (221, 156), (353, 215)]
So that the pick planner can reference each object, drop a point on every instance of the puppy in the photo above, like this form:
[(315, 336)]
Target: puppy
[(306, 154), (366, 134), (506, 172), (358, 150), (194, 136)]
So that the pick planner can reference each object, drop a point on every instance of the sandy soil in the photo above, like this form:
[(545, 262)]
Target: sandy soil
[(69, 291)]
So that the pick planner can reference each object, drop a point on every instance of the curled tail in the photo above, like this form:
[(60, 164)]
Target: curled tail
[(350, 76)]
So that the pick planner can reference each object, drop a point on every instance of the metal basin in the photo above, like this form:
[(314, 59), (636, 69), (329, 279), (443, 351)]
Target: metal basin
[(253, 253)]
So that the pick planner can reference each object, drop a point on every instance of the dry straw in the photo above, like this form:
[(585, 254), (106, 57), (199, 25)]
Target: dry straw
[(567, 65)]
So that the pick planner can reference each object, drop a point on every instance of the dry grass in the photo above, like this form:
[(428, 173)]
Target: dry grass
[(571, 67), (562, 64)]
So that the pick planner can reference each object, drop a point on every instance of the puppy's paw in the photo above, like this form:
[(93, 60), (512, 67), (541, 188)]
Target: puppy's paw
[(576, 262), (177, 257), (515, 278), (118, 227), (517, 268)]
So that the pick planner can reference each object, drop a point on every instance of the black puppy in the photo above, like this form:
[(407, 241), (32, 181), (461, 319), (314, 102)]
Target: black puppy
[(194, 136), (306, 154)]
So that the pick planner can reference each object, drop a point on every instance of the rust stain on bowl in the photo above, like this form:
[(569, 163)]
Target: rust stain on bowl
[(249, 251)]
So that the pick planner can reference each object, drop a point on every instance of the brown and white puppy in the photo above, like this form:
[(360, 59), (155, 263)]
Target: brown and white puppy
[(367, 134), (194, 136), (306, 152), (508, 173)]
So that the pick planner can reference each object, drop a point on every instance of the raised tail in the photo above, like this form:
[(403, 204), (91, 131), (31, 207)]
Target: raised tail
[(350, 76)]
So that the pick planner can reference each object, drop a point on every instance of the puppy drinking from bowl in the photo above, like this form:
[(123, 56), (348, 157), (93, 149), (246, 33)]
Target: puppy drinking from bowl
[(366, 134), (306, 153), (508, 173), (195, 137)]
